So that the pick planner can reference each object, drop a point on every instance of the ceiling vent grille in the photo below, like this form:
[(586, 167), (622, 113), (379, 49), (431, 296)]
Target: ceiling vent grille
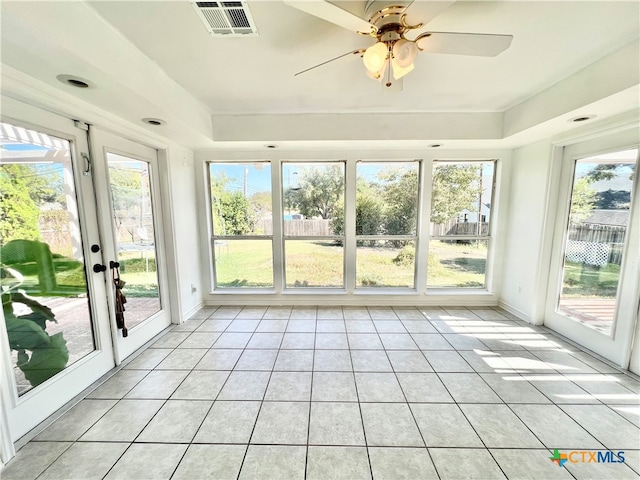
[(226, 19)]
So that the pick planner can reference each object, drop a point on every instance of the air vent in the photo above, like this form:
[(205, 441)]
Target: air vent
[(226, 19)]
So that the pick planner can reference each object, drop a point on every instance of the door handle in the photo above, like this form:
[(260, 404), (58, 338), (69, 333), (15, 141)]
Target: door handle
[(98, 267)]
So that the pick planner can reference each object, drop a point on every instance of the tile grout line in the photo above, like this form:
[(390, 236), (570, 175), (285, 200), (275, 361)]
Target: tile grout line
[(395, 374), (355, 384), (163, 404), (313, 360), (204, 418), (263, 395)]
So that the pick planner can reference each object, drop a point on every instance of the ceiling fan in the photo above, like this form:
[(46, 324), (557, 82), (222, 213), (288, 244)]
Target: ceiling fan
[(393, 55)]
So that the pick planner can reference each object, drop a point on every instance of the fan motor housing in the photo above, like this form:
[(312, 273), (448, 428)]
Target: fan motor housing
[(386, 15)]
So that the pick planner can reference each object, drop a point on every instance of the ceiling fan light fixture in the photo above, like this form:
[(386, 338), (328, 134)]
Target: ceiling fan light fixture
[(400, 71), (375, 57), (378, 75), (404, 52)]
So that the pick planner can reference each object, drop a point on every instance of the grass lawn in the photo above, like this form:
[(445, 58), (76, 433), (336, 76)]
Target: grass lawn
[(375, 267), (248, 263), (457, 264), (244, 263), (314, 264), (138, 270), (588, 281)]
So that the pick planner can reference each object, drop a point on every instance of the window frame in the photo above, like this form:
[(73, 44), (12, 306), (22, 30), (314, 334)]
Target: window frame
[(350, 295), (286, 238), (489, 237), (409, 238), (213, 237)]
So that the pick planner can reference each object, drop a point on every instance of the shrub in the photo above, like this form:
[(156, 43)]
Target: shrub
[(406, 256)]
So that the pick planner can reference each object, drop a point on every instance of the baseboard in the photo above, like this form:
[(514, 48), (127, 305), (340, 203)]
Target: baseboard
[(514, 311), (192, 311)]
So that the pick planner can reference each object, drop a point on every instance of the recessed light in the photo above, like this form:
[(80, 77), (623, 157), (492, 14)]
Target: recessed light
[(154, 121), (435, 145), (75, 81), (582, 118), (271, 145)]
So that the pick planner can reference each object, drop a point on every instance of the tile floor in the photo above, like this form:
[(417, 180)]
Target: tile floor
[(353, 393)]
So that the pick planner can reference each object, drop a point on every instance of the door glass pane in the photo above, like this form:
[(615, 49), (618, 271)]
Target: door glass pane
[(598, 220), (132, 211), (43, 279)]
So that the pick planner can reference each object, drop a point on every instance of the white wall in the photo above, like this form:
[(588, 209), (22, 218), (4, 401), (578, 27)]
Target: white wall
[(524, 236), (184, 207)]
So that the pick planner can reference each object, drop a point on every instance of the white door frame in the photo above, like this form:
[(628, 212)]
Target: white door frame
[(103, 142), (617, 346)]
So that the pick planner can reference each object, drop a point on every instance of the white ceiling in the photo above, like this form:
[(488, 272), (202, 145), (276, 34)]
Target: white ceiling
[(157, 59)]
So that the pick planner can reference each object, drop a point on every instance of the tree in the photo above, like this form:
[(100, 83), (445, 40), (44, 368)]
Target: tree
[(400, 194), (261, 204), (613, 200), (46, 183), (455, 188), (369, 213), (321, 189), (126, 191), (126, 186), (582, 199), (233, 213), (236, 215), (18, 211)]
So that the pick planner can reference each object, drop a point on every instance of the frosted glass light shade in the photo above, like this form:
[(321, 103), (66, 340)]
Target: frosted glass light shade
[(404, 52), (398, 71), (374, 57), (378, 74)]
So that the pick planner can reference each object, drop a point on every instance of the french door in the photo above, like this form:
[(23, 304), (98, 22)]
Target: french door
[(129, 210), (594, 283), (72, 223), (56, 339)]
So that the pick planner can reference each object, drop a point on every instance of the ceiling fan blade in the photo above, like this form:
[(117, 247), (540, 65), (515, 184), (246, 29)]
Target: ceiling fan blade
[(476, 44), (352, 52), (423, 12), (331, 13)]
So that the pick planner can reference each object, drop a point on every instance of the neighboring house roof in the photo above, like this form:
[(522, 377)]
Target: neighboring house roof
[(608, 217)]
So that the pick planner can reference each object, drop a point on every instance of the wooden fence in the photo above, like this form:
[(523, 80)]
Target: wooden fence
[(454, 227), (298, 228)]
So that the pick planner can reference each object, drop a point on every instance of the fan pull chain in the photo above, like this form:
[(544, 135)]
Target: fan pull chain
[(388, 84)]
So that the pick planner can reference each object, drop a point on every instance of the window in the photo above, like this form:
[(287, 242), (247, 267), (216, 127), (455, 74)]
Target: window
[(313, 204), (386, 224), (349, 225), (461, 199), (241, 211)]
